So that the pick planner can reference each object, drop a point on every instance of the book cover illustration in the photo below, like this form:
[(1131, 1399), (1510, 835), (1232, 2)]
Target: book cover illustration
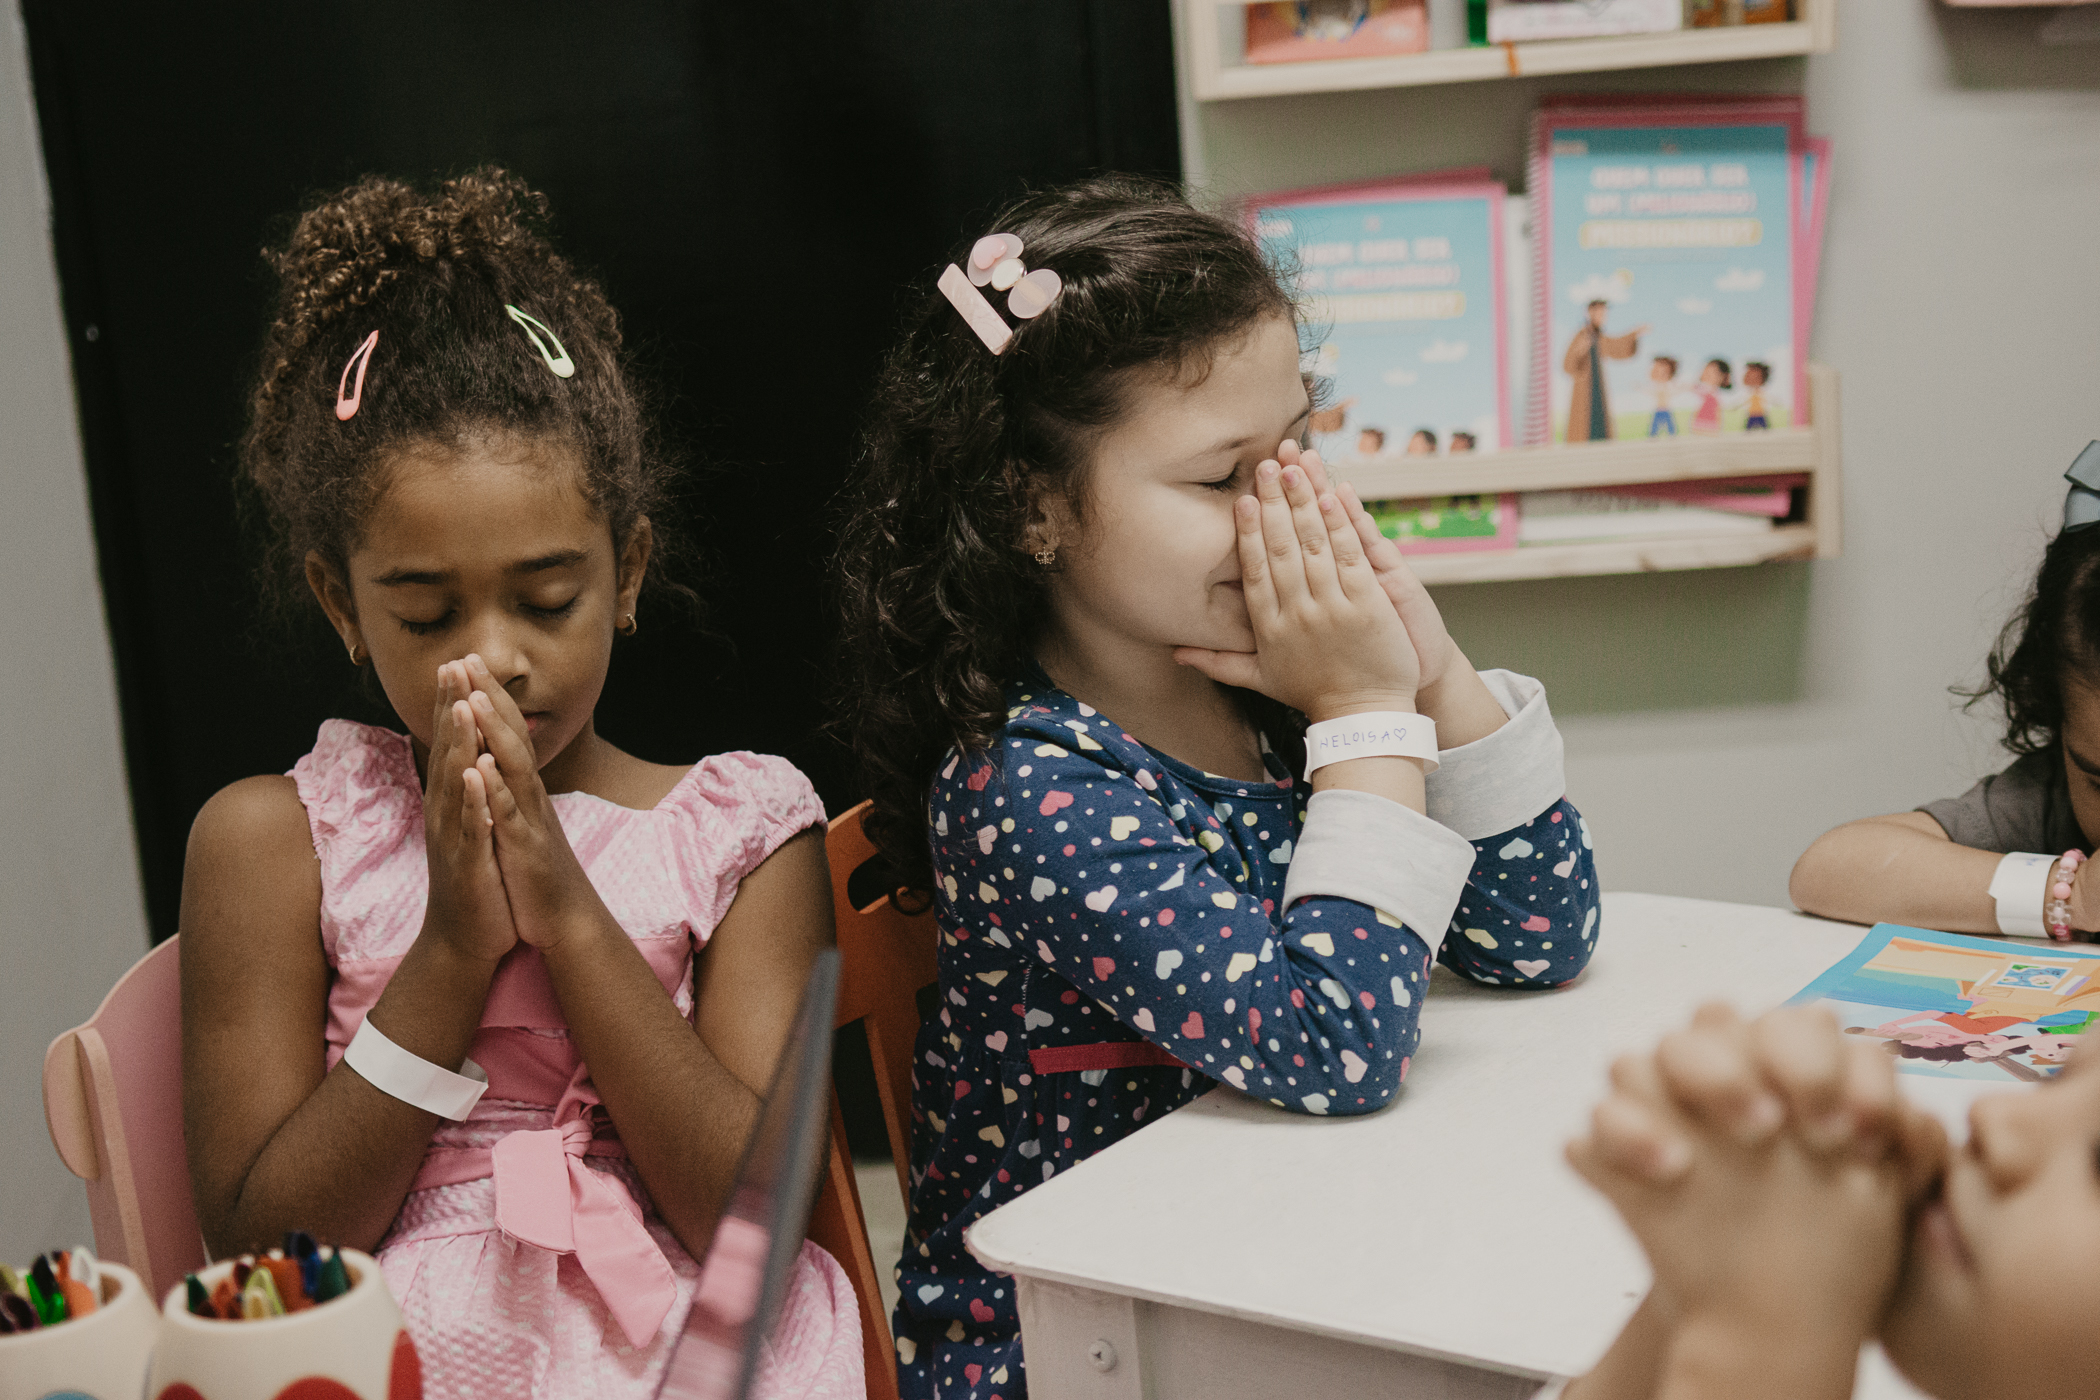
[(1948, 1006), (1448, 524), (1402, 285), (1666, 301), (1317, 29)]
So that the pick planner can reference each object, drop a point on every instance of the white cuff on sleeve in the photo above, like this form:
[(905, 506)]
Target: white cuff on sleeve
[(1506, 779), (1357, 845)]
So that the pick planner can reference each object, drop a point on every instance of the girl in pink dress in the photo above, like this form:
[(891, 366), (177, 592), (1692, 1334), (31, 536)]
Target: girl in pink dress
[(452, 461), (1715, 379)]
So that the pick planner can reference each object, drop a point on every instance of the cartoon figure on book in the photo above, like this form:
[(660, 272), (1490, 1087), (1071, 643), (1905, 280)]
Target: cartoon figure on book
[(517, 992), (1994, 859), (1755, 375), (1662, 382), (1143, 751), (1589, 408)]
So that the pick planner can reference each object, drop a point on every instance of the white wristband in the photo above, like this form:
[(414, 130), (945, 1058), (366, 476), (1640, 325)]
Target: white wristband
[(1376, 734), (2019, 887), (411, 1078)]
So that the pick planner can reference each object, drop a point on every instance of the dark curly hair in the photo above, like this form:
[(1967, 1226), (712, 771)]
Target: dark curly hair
[(941, 601), (2054, 636), (432, 273)]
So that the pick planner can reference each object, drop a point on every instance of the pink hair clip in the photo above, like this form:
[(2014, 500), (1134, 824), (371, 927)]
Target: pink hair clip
[(346, 409), (995, 259)]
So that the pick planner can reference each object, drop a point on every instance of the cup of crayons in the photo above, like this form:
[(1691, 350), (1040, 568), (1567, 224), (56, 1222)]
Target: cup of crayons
[(302, 1320), (75, 1327)]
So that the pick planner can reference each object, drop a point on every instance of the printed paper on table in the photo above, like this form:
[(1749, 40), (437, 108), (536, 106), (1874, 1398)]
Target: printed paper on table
[(1948, 1006)]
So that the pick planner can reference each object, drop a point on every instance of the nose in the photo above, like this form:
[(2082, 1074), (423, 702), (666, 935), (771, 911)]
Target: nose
[(494, 638)]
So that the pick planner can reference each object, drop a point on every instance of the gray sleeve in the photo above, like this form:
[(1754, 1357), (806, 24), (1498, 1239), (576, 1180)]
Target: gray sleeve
[(2007, 811)]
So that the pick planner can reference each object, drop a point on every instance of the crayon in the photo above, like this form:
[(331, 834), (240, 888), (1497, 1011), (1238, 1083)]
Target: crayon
[(335, 1279), (44, 1291), (300, 1246), (20, 1314), (79, 1279), (199, 1296), (226, 1300), (259, 1297), (290, 1287)]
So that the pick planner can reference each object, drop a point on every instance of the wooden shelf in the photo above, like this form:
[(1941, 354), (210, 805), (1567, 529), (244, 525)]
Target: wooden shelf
[(1212, 78), (1812, 449), (1623, 556)]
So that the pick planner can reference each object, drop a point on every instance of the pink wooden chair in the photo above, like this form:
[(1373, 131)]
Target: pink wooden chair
[(113, 1103)]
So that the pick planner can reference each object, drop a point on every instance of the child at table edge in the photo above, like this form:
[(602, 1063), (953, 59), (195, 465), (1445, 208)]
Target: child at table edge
[(1794, 1206), (1984, 862), (1081, 707)]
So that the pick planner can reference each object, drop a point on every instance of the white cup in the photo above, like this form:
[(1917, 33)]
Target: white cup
[(98, 1357), (354, 1342)]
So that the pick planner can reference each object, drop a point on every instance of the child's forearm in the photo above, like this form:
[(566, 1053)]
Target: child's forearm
[(1461, 704), (1633, 1367), (341, 1164), (1744, 1357), (683, 1118), (1897, 869)]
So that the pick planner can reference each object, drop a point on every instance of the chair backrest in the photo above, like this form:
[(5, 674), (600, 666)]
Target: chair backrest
[(113, 1103), (885, 957)]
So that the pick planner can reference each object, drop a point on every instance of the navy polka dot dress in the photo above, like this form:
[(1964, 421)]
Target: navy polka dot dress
[(1092, 890)]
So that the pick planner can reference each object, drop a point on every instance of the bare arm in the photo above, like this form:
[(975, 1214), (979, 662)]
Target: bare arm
[(276, 1140), (1900, 868), (685, 1101)]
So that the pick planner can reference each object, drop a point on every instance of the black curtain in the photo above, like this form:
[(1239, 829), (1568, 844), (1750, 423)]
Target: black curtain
[(757, 185)]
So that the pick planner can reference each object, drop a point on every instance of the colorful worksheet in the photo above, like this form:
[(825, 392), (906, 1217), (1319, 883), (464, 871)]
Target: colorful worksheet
[(1948, 1006), (1665, 241), (1403, 289)]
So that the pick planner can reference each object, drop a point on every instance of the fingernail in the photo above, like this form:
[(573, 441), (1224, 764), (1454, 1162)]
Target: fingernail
[(1287, 445), (481, 701)]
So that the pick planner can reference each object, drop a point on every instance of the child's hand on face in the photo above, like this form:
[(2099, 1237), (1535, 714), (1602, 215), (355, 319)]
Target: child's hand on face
[(1767, 1170), (541, 875), (1434, 649), (1328, 641), (466, 904)]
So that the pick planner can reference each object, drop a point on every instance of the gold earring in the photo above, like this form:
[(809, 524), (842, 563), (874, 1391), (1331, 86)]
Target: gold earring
[(1046, 557), (628, 626), (353, 653)]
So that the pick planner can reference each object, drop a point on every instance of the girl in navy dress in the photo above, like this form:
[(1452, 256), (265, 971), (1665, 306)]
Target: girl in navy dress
[(1095, 594)]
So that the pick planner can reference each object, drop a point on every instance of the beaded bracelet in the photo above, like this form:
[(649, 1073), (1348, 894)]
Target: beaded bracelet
[(2056, 914)]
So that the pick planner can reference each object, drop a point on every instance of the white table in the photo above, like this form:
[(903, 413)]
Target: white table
[(1440, 1249)]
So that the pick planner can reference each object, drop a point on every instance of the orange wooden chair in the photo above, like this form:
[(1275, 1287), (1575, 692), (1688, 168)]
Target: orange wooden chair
[(113, 1103), (885, 957)]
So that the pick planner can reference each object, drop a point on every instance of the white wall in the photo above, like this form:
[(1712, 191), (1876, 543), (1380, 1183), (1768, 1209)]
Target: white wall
[(71, 914), (1717, 721)]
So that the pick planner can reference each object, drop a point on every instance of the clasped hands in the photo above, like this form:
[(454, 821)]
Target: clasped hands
[(501, 868), (1770, 1169), (1313, 565)]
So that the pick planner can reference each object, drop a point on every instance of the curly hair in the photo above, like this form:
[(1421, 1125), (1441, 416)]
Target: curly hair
[(2054, 636), (940, 599), (433, 274)]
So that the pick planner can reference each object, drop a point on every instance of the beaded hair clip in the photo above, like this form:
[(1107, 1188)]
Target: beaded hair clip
[(995, 259), (2082, 504)]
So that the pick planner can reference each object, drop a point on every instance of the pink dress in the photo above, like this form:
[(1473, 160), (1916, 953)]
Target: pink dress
[(490, 1313)]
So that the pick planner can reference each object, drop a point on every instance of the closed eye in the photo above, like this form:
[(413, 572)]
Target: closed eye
[(424, 629), (559, 610), (1223, 483)]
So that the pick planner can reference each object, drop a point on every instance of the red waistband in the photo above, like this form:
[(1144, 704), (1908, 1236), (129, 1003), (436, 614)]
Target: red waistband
[(1108, 1054)]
